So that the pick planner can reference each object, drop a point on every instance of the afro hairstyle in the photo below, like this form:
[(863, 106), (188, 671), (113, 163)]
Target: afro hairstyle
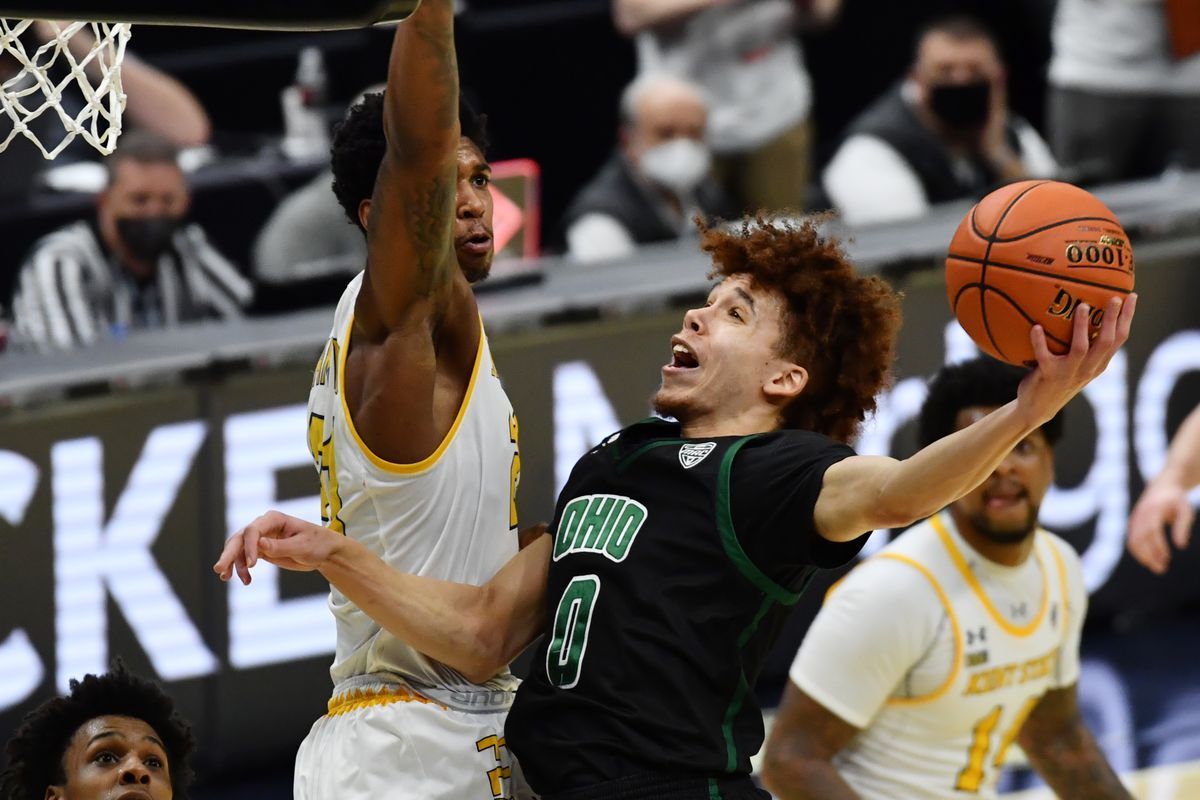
[(980, 382), (36, 750), (359, 145)]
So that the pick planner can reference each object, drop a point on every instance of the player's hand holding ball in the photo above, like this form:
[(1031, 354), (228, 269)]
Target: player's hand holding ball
[(1040, 273), (1032, 253)]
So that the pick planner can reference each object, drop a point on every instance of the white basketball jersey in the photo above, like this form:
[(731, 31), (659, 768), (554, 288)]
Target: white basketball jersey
[(451, 516), (947, 727)]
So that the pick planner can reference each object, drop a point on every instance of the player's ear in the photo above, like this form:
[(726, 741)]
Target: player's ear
[(364, 213), (55, 793), (787, 383)]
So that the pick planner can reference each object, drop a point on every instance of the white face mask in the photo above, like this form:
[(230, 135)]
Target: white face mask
[(678, 165)]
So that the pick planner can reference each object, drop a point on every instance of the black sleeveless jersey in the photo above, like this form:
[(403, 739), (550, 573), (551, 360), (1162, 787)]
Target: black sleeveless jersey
[(674, 564)]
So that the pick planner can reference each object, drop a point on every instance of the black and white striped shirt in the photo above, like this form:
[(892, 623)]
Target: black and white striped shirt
[(72, 292)]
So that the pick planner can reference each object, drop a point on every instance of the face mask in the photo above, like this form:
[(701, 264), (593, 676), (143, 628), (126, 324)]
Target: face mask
[(148, 237), (677, 165), (962, 106)]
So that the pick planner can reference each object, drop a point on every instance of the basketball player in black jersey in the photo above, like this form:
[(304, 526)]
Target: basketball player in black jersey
[(677, 547)]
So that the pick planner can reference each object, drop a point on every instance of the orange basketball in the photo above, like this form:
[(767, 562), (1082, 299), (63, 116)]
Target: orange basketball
[(1029, 254)]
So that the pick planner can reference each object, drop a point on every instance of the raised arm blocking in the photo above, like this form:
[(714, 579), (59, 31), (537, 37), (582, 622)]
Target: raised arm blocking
[(410, 218)]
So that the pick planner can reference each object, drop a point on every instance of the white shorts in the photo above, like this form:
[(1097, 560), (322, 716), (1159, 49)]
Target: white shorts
[(384, 740)]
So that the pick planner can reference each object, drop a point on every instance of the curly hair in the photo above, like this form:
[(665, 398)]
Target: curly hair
[(36, 750), (982, 381), (359, 145), (841, 326)]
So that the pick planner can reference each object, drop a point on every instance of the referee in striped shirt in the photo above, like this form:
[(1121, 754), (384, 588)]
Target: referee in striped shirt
[(139, 264)]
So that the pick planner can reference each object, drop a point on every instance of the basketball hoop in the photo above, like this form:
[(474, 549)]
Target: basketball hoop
[(47, 77), (55, 75)]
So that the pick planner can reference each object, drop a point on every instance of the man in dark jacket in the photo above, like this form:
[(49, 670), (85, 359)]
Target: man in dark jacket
[(945, 133), (656, 181)]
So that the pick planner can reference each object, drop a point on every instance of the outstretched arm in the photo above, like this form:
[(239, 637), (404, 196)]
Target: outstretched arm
[(1063, 751), (411, 260), (475, 629), (1165, 500), (863, 493)]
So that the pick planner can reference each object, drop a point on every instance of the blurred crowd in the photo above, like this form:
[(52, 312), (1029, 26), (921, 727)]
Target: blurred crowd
[(717, 121)]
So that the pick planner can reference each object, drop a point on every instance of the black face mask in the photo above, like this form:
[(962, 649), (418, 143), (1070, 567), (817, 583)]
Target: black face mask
[(148, 237), (962, 106)]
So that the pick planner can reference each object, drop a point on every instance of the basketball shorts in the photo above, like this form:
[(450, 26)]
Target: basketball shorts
[(384, 740)]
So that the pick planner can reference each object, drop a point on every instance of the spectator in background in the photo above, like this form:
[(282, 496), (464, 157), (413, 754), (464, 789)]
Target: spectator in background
[(305, 247), (658, 179), (944, 133), (115, 735), (745, 55), (1124, 98), (308, 244), (139, 264)]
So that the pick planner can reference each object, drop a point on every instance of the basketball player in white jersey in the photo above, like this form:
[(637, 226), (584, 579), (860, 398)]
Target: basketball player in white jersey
[(958, 640), (413, 436)]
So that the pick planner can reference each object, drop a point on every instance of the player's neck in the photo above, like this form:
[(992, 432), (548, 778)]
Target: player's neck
[(1008, 554), (710, 426)]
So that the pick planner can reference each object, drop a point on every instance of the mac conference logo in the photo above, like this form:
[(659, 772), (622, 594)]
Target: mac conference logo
[(692, 454)]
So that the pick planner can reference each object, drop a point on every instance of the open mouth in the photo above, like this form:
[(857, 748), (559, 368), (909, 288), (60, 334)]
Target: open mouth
[(477, 243), (682, 356)]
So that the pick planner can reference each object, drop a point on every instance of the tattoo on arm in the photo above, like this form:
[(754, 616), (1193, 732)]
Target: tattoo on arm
[(1065, 753), (412, 220), (431, 227), (444, 71)]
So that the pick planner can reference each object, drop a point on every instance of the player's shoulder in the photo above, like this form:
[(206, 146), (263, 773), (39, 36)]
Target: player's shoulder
[(346, 303), (890, 577), (919, 543), (354, 285), (792, 444), (908, 566), (1067, 554), (881, 588)]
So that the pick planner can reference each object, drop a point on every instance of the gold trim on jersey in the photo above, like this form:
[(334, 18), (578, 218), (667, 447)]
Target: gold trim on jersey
[(958, 645), (432, 458), (964, 569), (356, 699), (1062, 582)]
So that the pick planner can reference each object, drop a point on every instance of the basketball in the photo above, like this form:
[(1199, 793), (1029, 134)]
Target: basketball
[(1029, 254)]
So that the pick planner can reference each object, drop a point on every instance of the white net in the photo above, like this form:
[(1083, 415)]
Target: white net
[(61, 81)]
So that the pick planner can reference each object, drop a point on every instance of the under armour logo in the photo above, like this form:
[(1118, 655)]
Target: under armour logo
[(1019, 610), (692, 454), (974, 636)]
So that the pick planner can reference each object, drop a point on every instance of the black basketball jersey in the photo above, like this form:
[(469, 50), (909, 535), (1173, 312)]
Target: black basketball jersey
[(674, 563)]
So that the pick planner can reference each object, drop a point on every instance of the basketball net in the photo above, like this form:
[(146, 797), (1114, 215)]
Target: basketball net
[(53, 78)]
